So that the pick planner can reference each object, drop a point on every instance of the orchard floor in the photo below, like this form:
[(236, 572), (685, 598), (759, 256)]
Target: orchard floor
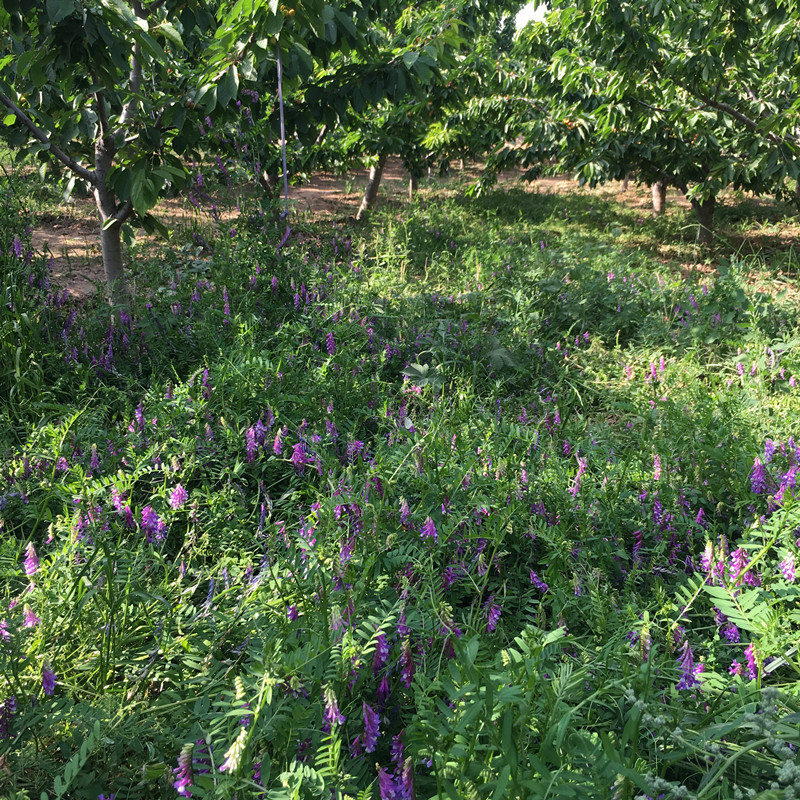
[(70, 231)]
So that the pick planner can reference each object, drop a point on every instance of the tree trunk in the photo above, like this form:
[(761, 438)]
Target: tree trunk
[(659, 197), (111, 219), (373, 184), (625, 181), (413, 184), (705, 218)]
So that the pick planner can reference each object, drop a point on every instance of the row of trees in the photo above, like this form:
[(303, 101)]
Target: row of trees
[(695, 94)]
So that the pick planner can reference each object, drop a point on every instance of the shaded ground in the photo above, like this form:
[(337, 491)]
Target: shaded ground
[(72, 238)]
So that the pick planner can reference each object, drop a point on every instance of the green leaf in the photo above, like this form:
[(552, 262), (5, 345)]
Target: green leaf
[(410, 58), (9, 120), (58, 10), (228, 87), (169, 32)]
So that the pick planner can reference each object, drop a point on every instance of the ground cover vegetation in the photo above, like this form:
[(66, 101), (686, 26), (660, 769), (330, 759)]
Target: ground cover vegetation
[(471, 501), (481, 498)]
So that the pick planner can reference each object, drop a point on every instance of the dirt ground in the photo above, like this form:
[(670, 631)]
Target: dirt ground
[(73, 238)]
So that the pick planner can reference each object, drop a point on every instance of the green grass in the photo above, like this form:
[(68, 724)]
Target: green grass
[(462, 467)]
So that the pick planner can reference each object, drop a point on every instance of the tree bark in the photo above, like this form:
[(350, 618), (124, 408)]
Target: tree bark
[(373, 184), (111, 219), (625, 181), (413, 185), (659, 197), (705, 218)]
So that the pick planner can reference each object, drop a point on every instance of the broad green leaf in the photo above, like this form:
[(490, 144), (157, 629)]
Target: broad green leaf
[(9, 120), (58, 10), (409, 58), (228, 86), (169, 32)]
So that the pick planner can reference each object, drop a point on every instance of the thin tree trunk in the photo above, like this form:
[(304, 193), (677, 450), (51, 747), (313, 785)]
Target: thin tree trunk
[(373, 184), (659, 197), (413, 185), (705, 218), (625, 181), (110, 225)]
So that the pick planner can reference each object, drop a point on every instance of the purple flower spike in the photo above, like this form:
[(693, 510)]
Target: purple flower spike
[(429, 530), (48, 679), (183, 772), (178, 497), (381, 653), (493, 612), (330, 344), (758, 477), (31, 560), (388, 788), (787, 568), (332, 714), (751, 657), (688, 679), (31, 620), (538, 582), (371, 728)]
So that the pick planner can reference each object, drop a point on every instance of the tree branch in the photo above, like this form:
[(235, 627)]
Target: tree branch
[(44, 138), (728, 109), (125, 210)]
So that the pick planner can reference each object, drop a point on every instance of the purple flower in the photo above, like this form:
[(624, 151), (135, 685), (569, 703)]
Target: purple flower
[(277, 445), (178, 497), (31, 620), (48, 679), (332, 714), (656, 467), (388, 788), (492, 611), (707, 559), (330, 345), (31, 560), (538, 582), (252, 447), (4, 632), (739, 562), (731, 632), (383, 692), (183, 772), (300, 457), (381, 653), (153, 526), (688, 679), (371, 728), (787, 568), (405, 512), (769, 450), (751, 657), (429, 530), (758, 477), (735, 668), (291, 613), (576, 484)]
